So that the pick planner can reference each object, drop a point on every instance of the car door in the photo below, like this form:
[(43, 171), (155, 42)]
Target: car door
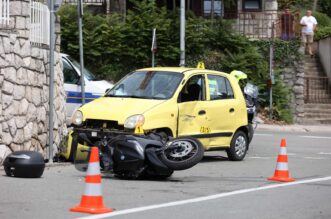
[(223, 110), (193, 119)]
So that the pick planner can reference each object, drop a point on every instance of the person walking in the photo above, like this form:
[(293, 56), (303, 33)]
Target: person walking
[(309, 24)]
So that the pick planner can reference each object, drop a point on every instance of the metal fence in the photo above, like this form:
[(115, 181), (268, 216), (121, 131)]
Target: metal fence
[(84, 1), (39, 20), (4, 12), (317, 90)]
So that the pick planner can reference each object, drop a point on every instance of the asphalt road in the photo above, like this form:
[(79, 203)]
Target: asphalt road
[(215, 188)]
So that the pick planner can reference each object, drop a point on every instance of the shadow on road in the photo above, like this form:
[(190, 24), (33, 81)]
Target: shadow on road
[(213, 158)]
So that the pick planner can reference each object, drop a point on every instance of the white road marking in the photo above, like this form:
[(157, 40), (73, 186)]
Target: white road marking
[(316, 158), (325, 153), (291, 154), (321, 137), (259, 157), (260, 134), (204, 198)]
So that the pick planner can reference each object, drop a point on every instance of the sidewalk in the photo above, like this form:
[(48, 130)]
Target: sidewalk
[(294, 128)]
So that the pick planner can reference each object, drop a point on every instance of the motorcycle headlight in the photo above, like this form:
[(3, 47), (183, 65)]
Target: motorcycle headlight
[(134, 121), (77, 118)]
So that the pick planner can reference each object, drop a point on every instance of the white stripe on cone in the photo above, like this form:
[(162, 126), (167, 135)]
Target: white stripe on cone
[(93, 169), (282, 151), (281, 166), (93, 189)]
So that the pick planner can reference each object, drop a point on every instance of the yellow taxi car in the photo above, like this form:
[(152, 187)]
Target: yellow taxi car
[(204, 104)]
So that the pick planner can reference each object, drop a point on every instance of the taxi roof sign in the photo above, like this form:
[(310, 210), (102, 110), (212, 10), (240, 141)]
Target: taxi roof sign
[(201, 65)]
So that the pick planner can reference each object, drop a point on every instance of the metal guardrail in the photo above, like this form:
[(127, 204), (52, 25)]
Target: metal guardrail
[(317, 90)]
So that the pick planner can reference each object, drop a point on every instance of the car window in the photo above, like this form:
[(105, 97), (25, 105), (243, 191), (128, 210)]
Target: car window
[(147, 85), (219, 88), (69, 73), (193, 90), (87, 74)]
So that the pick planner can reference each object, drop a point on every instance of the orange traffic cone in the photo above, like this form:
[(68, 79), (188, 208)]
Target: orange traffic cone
[(281, 172), (92, 200)]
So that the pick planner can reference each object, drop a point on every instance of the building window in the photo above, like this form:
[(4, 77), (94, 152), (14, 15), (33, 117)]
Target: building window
[(218, 8), (252, 5)]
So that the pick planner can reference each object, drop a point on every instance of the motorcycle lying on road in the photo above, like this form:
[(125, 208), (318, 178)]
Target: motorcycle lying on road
[(251, 93), (135, 156)]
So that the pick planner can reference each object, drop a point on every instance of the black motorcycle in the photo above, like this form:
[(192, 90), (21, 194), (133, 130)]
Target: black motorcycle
[(251, 93), (136, 156)]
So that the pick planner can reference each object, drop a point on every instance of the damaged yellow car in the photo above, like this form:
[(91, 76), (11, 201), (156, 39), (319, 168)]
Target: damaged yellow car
[(173, 102)]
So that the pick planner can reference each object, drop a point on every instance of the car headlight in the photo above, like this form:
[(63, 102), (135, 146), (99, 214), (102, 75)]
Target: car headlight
[(77, 118), (134, 121)]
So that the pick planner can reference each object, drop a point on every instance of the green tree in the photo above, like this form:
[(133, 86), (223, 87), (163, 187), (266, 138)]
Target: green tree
[(325, 7)]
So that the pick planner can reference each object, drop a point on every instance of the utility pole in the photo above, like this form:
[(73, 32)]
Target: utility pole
[(154, 47), (182, 33), (81, 51), (51, 80), (212, 13), (271, 73)]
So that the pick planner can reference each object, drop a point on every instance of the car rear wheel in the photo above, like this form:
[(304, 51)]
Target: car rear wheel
[(238, 147)]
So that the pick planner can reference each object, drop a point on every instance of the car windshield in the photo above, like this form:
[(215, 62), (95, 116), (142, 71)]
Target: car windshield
[(88, 75), (147, 85)]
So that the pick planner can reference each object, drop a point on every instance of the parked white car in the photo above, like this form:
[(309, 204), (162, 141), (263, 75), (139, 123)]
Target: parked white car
[(94, 88)]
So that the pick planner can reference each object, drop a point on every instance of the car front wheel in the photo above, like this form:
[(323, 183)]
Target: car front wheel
[(238, 147)]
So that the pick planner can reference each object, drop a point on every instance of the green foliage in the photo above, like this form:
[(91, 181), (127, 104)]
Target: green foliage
[(325, 6), (285, 53), (324, 26), (281, 99), (322, 19), (287, 49), (322, 33), (282, 4), (306, 4)]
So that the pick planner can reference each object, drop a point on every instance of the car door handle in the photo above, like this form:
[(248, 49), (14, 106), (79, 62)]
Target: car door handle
[(202, 112), (231, 110)]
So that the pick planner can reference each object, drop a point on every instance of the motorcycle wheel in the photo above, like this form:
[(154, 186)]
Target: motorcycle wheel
[(188, 153)]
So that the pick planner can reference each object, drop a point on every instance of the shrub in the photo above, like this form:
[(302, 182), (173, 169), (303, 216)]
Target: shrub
[(322, 19), (325, 7), (322, 33)]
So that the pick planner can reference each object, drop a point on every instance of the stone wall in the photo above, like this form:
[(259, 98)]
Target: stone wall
[(293, 77), (257, 24), (24, 87)]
